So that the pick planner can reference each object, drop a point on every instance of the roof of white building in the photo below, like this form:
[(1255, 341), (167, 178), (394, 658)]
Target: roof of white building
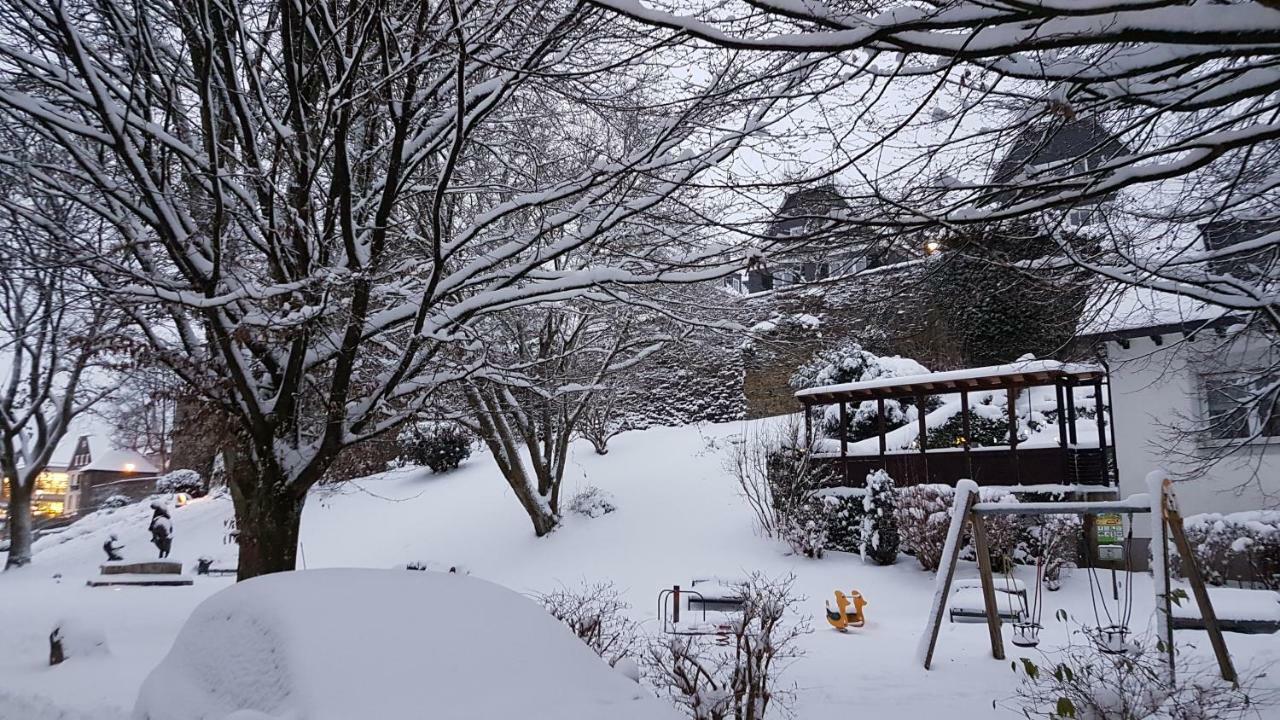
[(993, 375), (121, 461), (1117, 309)]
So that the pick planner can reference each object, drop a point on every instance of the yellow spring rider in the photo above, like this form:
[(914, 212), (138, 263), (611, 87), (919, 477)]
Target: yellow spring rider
[(841, 618)]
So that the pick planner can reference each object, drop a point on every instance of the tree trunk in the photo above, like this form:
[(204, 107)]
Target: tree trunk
[(268, 519), (19, 525)]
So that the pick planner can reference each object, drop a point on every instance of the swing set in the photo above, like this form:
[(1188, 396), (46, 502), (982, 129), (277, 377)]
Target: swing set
[(1111, 631)]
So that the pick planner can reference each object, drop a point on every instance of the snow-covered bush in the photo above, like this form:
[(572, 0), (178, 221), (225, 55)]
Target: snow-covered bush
[(879, 537), (440, 447), (923, 515), (985, 430), (181, 481), (592, 502), (1237, 546), (844, 511), (777, 477), (597, 614), (1082, 682), (1053, 540), (116, 501), (851, 363), (734, 676)]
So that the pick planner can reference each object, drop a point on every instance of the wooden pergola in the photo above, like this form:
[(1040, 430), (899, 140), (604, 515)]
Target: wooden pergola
[(1012, 379)]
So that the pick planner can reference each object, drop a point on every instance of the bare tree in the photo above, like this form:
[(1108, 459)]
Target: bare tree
[(314, 206), (546, 368), (52, 336)]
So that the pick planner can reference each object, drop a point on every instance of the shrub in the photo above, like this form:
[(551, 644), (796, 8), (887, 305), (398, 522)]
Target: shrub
[(778, 478), (116, 501), (851, 363), (1238, 546), (181, 481), (1053, 540), (879, 537), (592, 502), (924, 515), (983, 432), (844, 511), (441, 448), (1082, 682), (597, 614), (734, 676)]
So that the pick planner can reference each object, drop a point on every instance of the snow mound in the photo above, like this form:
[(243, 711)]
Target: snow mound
[(346, 643)]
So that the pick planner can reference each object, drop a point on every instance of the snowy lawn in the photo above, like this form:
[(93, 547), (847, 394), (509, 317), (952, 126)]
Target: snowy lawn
[(678, 517)]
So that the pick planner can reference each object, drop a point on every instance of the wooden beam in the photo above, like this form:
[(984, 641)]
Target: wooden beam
[(1012, 400), (964, 428), (940, 598), (1173, 517), (983, 550)]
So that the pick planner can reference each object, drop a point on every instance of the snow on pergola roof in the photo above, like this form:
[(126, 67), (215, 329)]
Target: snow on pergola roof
[(1026, 373), (122, 461)]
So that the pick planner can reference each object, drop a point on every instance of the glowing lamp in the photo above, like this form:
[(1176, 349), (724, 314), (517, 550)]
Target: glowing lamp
[(128, 467)]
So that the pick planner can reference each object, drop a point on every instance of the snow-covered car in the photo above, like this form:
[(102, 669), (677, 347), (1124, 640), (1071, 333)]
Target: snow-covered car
[(343, 644)]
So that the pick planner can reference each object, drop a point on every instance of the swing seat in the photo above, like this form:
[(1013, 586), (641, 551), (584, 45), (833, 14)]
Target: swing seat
[(968, 606)]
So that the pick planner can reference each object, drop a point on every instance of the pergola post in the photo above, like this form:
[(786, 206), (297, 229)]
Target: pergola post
[(844, 439), (884, 442), (1102, 431), (924, 432), (1012, 401), (964, 428), (1071, 413), (1059, 393)]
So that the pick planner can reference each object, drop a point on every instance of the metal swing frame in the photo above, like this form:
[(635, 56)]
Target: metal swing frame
[(973, 513)]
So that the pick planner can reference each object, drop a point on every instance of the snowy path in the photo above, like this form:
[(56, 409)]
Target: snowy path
[(679, 517)]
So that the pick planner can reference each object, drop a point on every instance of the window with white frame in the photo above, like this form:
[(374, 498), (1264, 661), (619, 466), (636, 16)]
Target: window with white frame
[(1239, 406)]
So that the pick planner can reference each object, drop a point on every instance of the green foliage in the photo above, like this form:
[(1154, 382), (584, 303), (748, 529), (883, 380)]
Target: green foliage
[(983, 432), (996, 312), (844, 522)]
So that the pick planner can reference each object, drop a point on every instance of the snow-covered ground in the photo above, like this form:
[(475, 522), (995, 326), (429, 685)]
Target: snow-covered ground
[(679, 516)]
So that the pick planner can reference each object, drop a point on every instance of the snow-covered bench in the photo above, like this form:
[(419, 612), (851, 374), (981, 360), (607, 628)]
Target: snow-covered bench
[(1238, 610), (968, 605), (715, 593)]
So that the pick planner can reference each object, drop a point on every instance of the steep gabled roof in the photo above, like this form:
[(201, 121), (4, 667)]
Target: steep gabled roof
[(122, 461), (1047, 143)]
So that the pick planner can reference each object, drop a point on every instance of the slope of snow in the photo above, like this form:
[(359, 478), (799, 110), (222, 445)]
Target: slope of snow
[(342, 644), (679, 517)]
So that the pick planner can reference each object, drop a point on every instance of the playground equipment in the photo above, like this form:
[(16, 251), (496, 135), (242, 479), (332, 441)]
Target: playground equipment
[(1166, 524), (840, 618), (669, 614)]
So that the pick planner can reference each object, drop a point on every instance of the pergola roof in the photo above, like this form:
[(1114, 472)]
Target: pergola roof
[(1031, 373)]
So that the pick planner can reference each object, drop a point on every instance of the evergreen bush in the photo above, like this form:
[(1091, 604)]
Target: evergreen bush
[(879, 539), (441, 448)]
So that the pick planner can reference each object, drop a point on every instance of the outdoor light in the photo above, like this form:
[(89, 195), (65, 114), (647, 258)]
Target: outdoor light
[(128, 467), (932, 247)]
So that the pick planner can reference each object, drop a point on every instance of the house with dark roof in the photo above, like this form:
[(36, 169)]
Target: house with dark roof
[(113, 472), (1048, 149), (813, 245)]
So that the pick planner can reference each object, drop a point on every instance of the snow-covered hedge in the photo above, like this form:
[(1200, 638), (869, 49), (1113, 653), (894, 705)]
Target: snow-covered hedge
[(1242, 546), (181, 481)]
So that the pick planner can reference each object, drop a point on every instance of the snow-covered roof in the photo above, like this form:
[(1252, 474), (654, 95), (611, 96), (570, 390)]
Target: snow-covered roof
[(98, 445), (1117, 310), (951, 379), (121, 461)]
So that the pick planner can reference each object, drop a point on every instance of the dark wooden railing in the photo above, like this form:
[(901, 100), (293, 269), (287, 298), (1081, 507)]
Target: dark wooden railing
[(995, 466)]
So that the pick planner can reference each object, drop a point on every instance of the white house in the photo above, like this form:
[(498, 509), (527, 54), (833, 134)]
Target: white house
[(1177, 371)]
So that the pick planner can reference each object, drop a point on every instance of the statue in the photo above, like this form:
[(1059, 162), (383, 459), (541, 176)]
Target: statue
[(161, 529), (112, 549)]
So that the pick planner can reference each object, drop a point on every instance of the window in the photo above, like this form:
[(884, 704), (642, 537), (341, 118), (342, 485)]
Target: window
[(1242, 406)]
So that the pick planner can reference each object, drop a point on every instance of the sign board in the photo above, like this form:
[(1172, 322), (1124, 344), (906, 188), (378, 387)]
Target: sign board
[(1108, 529)]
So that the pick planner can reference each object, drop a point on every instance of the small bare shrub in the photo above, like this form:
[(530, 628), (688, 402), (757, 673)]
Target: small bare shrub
[(1084, 683), (592, 502), (778, 477), (597, 614), (735, 676), (924, 515)]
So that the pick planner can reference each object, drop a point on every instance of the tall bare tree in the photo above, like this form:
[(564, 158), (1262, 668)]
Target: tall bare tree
[(307, 220)]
